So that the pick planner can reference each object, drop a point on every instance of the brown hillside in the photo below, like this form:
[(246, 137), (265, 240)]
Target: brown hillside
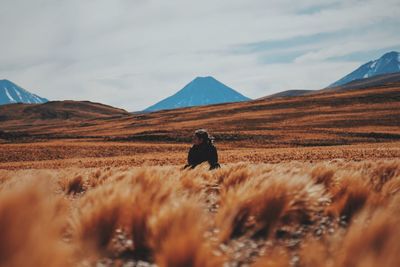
[(78, 110), (332, 118)]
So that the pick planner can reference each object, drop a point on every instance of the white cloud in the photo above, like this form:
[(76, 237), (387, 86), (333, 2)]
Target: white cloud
[(373, 40), (133, 53)]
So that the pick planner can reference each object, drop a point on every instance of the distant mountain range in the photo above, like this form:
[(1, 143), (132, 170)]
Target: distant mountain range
[(383, 80), (207, 90), (199, 92), (375, 81), (12, 93), (388, 63), (377, 72)]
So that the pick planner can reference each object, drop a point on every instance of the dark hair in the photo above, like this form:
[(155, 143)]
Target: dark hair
[(203, 134)]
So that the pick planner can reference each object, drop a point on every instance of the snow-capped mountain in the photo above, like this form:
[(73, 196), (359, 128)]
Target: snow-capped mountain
[(12, 93), (388, 63), (199, 92)]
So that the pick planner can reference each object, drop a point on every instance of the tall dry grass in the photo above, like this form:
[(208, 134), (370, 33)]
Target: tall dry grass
[(293, 214), (266, 199), (172, 247), (31, 223)]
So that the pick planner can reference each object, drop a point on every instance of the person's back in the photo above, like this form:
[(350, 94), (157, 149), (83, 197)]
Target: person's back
[(202, 150)]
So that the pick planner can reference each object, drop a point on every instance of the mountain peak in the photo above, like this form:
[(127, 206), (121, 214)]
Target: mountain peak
[(12, 93), (391, 54), (205, 82), (6, 81), (199, 92), (387, 63), (198, 78), (205, 79)]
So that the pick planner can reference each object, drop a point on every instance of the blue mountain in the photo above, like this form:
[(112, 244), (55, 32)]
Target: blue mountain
[(199, 92), (388, 63), (12, 93)]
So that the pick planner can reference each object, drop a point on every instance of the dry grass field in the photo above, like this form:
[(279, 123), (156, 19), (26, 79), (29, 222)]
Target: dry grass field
[(83, 154), (305, 181), (335, 213)]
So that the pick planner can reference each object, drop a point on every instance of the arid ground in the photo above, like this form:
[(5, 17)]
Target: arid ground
[(305, 181)]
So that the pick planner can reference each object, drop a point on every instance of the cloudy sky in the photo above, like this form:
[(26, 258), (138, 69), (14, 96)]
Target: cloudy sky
[(133, 53)]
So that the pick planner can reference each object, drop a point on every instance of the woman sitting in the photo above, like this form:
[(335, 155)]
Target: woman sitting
[(202, 150)]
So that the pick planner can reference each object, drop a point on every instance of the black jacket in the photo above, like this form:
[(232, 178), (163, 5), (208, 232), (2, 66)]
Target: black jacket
[(202, 153)]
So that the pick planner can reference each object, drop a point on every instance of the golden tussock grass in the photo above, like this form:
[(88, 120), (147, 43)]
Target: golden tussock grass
[(176, 249), (349, 197), (265, 199), (371, 240), (31, 223), (288, 214), (96, 218)]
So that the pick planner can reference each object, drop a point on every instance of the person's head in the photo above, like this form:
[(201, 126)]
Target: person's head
[(201, 136)]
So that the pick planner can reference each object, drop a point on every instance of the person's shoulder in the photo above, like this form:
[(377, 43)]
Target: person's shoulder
[(212, 147)]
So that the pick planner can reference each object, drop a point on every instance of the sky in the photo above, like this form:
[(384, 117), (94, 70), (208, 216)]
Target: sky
[(133, 53)]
